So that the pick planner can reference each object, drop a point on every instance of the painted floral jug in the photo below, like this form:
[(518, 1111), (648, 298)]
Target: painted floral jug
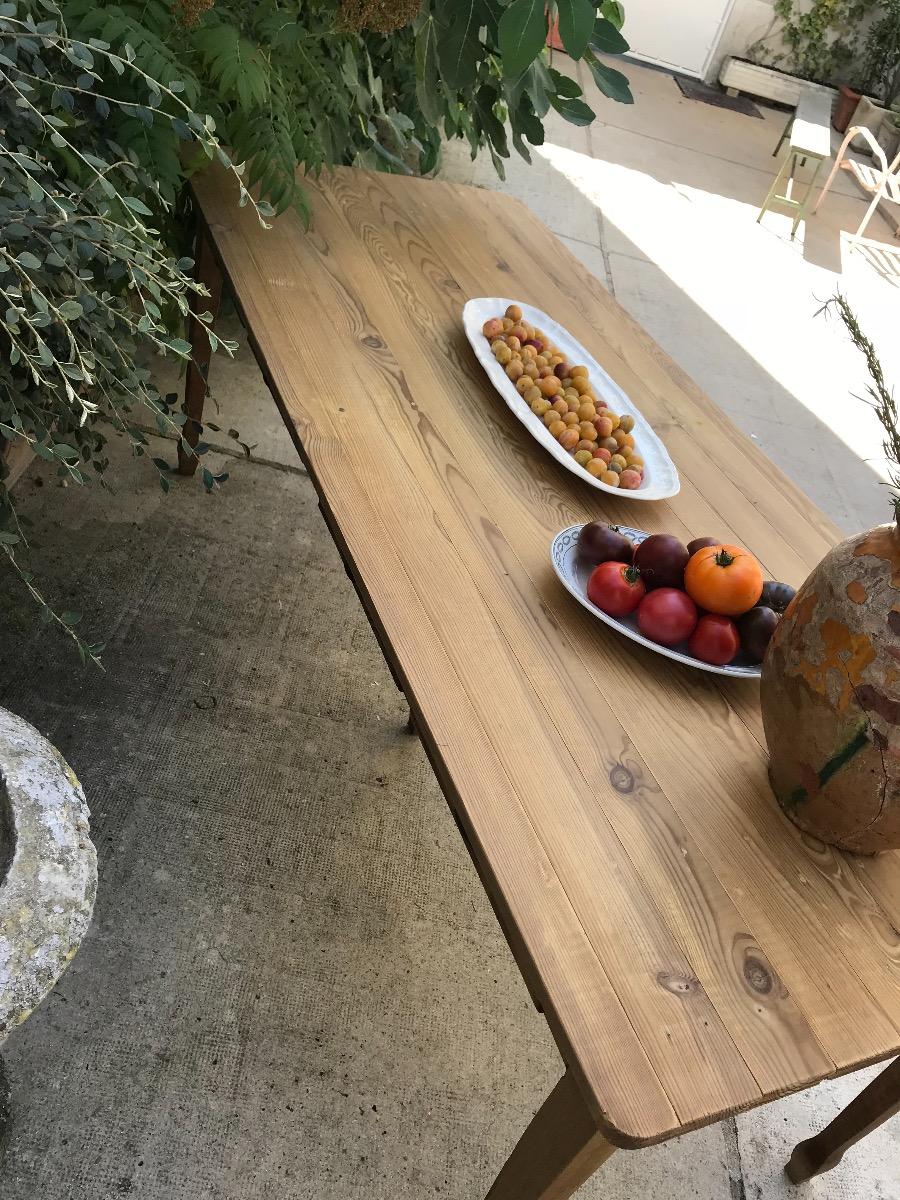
[(830, 688), (831, 697)]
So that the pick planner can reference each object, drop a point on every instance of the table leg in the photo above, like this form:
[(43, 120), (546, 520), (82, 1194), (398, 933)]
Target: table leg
[(206, 271), (559, 1150), (872, 1107)]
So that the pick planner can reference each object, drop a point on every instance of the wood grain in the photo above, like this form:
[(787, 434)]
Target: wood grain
[(693, 952)]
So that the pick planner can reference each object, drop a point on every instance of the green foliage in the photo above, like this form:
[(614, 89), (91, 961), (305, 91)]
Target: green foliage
[(882, 54), (293, 84), (85, 278), (821, 40), (100, 130)]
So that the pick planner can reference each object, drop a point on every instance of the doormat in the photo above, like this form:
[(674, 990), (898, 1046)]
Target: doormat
[(695, 90)]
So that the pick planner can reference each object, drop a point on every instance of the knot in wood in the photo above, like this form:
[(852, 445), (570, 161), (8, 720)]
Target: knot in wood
[(373, 342), (758, 975), (679, 985), (622, 779)]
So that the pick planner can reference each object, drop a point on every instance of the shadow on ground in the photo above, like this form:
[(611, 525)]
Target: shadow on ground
[(294, 986)]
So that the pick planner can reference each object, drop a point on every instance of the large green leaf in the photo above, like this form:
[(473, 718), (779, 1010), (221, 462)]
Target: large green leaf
[(523, 33), (539, 85), (575, 111), (576, 20), (614, 12), (458, 46), (427, 72), (607, 38), (611, 83), (485, 100), (564, 85)]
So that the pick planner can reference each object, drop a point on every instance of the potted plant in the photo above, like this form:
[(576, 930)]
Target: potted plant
[(847, 104), (879, 76), (882, 56), (829, 689), (889, 134)]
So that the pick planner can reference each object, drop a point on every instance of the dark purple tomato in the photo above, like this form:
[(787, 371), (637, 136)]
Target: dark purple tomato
[(599, 542), (661, 559), (699, 543), (777, 595), (756, 628)]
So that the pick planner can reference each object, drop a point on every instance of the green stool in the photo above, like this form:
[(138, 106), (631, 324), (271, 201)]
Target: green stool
[(809, 134)]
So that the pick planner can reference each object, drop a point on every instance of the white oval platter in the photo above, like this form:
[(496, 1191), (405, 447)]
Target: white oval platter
[(660, 475), (574, 572)]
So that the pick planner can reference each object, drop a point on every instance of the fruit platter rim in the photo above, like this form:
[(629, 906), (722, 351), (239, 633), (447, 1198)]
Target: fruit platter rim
[(566, 542), (659, 464)]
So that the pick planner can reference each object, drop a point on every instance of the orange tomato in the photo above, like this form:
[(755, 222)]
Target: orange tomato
[(723, 579)]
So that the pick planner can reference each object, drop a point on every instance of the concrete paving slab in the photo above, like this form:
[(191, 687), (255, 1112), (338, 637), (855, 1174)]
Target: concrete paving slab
[(870, 1171), (662, 113), (792, 434), (593, 257), (562, 208)]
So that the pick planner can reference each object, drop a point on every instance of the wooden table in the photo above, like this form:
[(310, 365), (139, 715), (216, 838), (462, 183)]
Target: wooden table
[(693, 952)]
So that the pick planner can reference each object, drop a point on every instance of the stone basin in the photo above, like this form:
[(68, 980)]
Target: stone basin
[(48, 869)]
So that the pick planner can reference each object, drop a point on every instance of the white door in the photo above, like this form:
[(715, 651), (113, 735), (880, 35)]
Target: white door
[(682, 36)]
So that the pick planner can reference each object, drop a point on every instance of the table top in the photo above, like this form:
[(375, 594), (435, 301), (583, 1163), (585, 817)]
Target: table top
[(693, 952)]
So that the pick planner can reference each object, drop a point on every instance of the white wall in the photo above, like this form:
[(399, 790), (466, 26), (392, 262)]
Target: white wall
[(749, 20)]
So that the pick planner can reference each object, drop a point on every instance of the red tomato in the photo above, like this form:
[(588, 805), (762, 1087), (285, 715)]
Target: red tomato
[(667, 615), (616, 588), (715, 640)]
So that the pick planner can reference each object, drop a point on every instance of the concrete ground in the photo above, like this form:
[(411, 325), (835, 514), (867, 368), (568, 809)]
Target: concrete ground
[(294, 986)]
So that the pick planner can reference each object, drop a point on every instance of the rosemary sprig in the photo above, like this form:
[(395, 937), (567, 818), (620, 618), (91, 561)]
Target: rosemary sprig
[(879, 395)]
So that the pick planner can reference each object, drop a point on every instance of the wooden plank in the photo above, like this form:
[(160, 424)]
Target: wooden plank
[(765, 1034), (678, 914), (828, 875), (382, 303), (621, 921), (590, 1025)]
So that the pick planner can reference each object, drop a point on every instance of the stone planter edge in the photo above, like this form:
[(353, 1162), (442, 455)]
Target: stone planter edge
[(47, 893), (767, 82)]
